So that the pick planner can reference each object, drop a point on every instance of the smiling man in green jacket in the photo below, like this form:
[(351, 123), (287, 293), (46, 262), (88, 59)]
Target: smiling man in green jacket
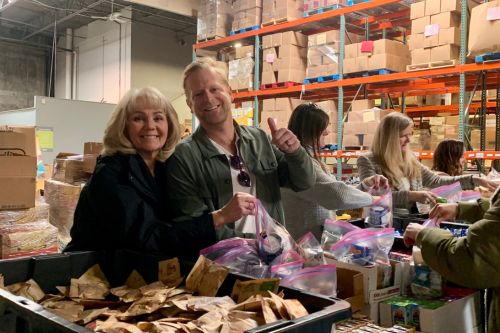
[(472, 261), (222, 159)]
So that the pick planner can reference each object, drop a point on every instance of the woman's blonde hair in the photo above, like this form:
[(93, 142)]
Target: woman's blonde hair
[(115, 135), (395, 164)]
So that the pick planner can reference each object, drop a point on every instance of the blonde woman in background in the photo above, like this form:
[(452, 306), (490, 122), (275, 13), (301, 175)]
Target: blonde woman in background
[(391, 156)]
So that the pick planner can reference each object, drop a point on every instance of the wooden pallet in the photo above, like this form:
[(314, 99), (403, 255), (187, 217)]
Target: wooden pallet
[(321, 10), (279, 85), (277, 21), (209, 38), (431, 65)]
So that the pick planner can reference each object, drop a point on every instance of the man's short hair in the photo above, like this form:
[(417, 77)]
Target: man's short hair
[(204, 63)]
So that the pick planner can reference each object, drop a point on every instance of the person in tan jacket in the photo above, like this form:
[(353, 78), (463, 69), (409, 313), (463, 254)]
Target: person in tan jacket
[(472, 261)]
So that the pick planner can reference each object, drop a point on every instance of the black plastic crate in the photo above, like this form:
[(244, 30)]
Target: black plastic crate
[(20, 315)]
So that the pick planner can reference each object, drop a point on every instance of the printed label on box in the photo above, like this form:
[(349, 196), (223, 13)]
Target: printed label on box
[(431, 30), (367, 46), (493, 14), (270, 57)]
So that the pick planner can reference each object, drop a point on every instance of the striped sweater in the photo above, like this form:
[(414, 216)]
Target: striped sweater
[(368, 166), (307, 210)]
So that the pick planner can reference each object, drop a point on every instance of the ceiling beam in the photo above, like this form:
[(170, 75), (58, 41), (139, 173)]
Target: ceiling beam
[(65, 18), (5, 6)]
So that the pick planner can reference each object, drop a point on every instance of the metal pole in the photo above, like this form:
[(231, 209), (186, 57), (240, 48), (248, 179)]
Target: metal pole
[(340, 107)]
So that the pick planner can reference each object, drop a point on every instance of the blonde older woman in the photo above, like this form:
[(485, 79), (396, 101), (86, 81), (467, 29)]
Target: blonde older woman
[(391, 156), (124, 204)]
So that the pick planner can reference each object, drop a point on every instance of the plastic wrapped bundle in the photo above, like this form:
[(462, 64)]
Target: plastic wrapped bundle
[(69, 169), (241, 73), (21, 216), (62, 198), (28, 239), (215, 18)]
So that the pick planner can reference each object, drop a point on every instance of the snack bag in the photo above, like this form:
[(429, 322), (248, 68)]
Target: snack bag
[(220, 248), (365, 246), (334, 230), (318, 279), (283, 270), (311, 250), (272, 238), (380, 212)]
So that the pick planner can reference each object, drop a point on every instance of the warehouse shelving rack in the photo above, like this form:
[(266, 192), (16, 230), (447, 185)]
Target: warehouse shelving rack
[(377, 19)]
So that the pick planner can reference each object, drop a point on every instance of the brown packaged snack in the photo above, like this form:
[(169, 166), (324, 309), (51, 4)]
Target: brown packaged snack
[(206, 277), (244, 289), (29, 289), (169, 272)]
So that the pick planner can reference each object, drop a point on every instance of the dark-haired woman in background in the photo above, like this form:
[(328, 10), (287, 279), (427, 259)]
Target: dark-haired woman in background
[(449, 158), (307, 210)]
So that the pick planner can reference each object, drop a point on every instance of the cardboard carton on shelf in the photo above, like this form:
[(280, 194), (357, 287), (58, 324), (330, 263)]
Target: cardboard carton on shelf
[(388, 61), (446, 20), (417, 10), (445, 53), (449, 36), (291, 75), (18, 140), (244, 51), (432, 7), (420, 56), (431, 40), (418, 25), (483, 33), (352, 50), (388, 46), (415, 41), (362, 104)]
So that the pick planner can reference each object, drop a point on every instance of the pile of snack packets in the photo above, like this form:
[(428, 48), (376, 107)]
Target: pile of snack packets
[(164, 305)]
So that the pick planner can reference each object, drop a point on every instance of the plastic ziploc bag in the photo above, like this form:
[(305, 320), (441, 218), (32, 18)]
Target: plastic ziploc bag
[(272, 238), (287, 256), (365, 246), (380, 212), (334, 230), (311, 250), (318, 279), (244, 259), (220, 248), (449, 192), (469, 195), (283, 270)]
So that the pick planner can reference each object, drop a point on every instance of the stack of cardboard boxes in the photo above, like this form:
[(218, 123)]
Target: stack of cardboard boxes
[(215, 18), (363, 120), (323, 52), (284, 57), (241, 69), (374, 55), (23, 230), (484, 29), (247, 13), (279, 109), (276, 11), (435, 29), (310, 5)]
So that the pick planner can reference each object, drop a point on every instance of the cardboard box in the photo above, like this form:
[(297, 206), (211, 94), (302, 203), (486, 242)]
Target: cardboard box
[(446, 20), (22, 139), (455, 5), (351, 140), (350, 287), (18, 182), (418, 25), (289, 63), (244, 51), (362, 104), (388, 61), (432, 7), (269, 104), (483, 33), (267, 41), (90, 152), (388, 46), (431, 41), (449, 36), (68, 168), (291, 75), (445, 52), (292, 51), (269, 77), (417, 10), (286, 104), (329, 107), (350, 65), (294, 38), (368, 116), (420, 56), (459, 316), (351, 50), (360, 127), (415, 41)]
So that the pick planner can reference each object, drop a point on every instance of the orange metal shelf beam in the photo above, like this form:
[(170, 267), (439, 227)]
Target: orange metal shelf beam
[(467, 68), (296, 24), (423, 154)]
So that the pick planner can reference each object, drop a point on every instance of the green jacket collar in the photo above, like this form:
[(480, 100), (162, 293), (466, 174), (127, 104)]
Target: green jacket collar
[(207, 149)]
